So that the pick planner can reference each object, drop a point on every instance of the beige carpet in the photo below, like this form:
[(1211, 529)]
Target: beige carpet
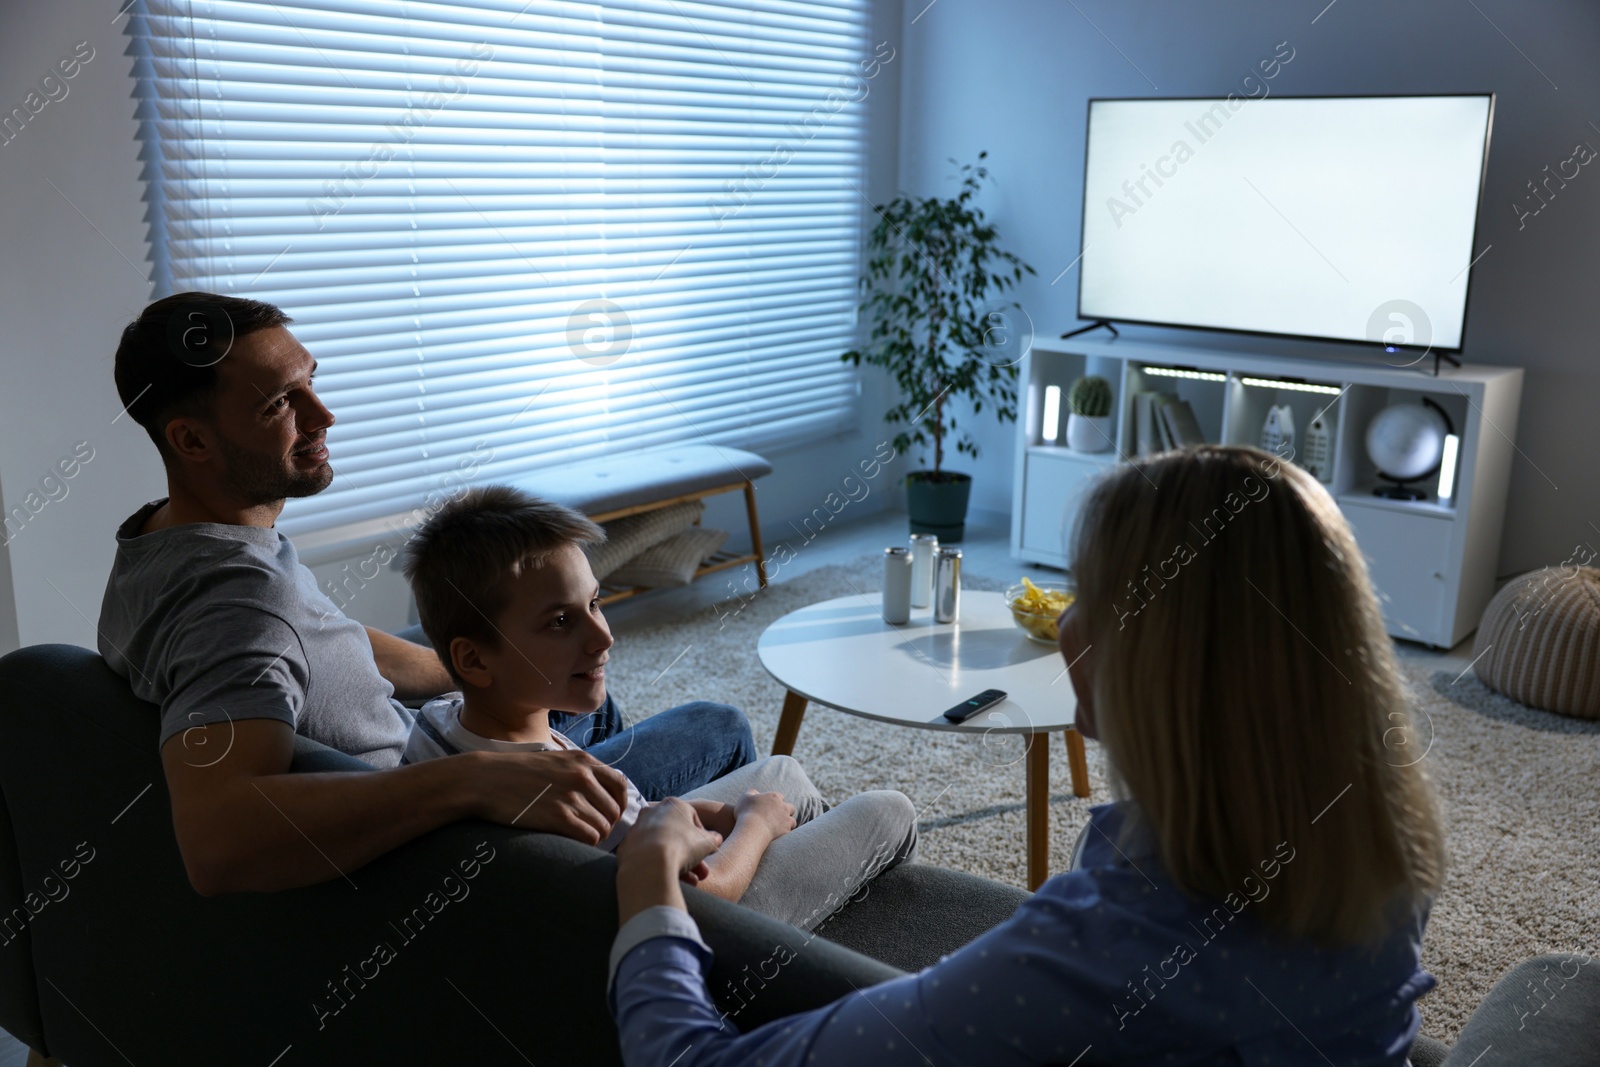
[(1520, 786)]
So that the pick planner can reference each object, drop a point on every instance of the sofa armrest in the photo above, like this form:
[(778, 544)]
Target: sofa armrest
[(1542, 1011)]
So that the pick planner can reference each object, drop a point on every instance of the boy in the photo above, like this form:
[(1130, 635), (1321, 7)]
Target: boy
[(511, 606)]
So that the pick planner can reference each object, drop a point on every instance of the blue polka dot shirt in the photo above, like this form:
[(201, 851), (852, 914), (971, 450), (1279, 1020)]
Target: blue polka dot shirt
[(1107, 964)]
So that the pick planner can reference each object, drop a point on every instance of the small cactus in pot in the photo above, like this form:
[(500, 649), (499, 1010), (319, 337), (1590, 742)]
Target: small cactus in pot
[(1091, 396), (1089, 415)]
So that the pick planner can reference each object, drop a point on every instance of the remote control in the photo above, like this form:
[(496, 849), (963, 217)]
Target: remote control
[(982, 702)]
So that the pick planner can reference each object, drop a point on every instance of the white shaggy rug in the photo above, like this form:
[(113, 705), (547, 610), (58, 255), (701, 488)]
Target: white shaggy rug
[(1520, 787)]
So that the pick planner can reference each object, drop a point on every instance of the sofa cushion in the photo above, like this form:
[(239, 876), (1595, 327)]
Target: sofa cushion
[(622, 481), (912, 915), (673, 562)]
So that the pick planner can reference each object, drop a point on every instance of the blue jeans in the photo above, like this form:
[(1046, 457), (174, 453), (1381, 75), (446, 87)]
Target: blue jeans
[(668, 754)]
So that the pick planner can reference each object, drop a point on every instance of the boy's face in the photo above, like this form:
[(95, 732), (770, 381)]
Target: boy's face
[(554, 637)]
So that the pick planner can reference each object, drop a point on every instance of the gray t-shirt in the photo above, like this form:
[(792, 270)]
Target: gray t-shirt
[(218, 623)]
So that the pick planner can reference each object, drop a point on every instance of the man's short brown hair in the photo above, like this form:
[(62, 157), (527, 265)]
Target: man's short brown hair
[(460, 561), (166, 363)]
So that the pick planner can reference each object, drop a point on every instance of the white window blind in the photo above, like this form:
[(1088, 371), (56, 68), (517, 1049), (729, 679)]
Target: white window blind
[(522, 236)]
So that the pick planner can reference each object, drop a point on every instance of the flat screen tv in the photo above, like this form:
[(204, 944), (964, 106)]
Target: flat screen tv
[(1336, 218)]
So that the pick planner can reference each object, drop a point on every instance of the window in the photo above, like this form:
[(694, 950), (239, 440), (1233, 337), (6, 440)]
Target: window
[(520, 238)]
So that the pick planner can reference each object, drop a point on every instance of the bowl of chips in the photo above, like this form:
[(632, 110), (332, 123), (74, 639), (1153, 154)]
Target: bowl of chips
[(1036, 607)]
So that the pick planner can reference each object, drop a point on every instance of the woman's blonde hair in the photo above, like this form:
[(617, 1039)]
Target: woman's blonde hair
[(1246, 692)]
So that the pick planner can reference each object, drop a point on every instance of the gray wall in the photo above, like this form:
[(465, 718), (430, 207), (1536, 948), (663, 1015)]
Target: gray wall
[(66, 291), (72, 272), (1013, 76)]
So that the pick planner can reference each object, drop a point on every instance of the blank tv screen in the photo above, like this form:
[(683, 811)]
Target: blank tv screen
[(1333, 217)]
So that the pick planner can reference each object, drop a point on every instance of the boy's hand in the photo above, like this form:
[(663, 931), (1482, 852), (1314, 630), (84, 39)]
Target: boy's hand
[(769, 811), (714, 815)]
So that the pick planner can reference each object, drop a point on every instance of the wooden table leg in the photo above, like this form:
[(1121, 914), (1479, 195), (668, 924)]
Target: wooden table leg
[(755, 535), (794, 710), (1038, 809), (1079, 761)]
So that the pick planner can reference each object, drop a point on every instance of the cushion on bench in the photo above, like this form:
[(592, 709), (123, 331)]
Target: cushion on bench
[(673, 562), (613, 482), (631, 535)]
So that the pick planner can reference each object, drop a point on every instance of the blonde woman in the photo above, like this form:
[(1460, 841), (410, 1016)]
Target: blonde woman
[(1258, 892)]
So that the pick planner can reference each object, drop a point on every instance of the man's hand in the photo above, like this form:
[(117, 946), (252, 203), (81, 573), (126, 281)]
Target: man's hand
[(244, 824), (772, 814), (568, 793)]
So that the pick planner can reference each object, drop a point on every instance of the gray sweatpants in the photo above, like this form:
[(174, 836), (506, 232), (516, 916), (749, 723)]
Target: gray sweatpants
[(811, 871)]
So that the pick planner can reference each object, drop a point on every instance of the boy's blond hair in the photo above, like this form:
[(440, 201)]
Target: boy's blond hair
[(460, 561), (1246, 691)]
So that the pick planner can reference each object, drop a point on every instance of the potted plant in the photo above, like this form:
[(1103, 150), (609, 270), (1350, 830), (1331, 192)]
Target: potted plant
[(934, 275), (1089, 415)]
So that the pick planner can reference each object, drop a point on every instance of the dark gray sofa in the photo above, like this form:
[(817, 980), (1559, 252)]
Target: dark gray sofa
[(107, 956)]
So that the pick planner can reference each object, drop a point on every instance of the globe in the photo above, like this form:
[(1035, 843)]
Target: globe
[(1406, 441)]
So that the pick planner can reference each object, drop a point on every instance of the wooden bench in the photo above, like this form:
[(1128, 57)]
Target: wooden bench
[(615, 486)]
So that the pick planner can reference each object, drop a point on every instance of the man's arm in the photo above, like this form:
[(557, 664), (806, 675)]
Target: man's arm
[(244, 823), (414, 670)]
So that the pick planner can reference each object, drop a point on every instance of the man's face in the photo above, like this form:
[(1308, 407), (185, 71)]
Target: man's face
[(269, 425), (554, 637)]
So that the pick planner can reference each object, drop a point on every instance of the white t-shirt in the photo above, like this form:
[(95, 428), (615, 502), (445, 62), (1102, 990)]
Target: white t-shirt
[(438, 732)]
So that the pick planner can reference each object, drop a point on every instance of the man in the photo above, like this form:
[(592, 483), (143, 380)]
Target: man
[(209, 613)]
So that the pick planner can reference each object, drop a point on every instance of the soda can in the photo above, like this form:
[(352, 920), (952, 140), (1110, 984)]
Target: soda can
[(947, 585), (923, 548), (897, 585)]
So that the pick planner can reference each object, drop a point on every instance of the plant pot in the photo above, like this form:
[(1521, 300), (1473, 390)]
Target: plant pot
[(938, 507), (1089, 433)]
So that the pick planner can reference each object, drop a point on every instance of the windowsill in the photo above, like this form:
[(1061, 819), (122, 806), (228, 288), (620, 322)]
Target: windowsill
[(317, 547)]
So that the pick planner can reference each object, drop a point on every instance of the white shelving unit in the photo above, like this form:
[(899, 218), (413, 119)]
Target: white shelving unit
[(1432, 561)]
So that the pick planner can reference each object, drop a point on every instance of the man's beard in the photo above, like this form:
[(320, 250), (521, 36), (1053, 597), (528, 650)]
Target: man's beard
[(258, 478)]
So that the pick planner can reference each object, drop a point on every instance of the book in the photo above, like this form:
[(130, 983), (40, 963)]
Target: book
[(1145, 440), (1159, 406), (1182, 427), (1150, 428)]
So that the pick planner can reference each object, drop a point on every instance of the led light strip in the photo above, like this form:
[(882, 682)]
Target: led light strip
[(1052, 414), (1297, 387), (1174, 372), (1447, 467)]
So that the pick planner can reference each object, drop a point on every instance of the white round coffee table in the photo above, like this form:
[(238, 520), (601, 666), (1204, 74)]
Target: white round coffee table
[(841, 654)]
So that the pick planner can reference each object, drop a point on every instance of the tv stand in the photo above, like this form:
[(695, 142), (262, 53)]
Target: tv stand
[(1092, 326), (1433, 560), (1390, 350)]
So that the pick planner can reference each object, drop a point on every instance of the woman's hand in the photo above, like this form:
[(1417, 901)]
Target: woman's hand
[(769, 811), (667, 844)]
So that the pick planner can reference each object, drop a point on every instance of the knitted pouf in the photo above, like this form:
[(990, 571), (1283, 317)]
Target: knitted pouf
[(1539, 641)]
